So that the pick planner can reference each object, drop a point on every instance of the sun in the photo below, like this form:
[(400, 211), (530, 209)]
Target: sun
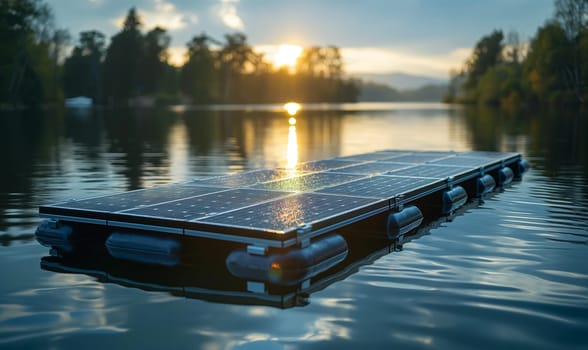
[(287, 56)]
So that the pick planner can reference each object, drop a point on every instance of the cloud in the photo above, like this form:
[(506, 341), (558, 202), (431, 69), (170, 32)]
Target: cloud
[(164, 14), (361, 60), (228, 14)]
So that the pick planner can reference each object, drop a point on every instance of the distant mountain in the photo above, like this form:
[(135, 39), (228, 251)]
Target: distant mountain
[(402, 81), (375, 92)]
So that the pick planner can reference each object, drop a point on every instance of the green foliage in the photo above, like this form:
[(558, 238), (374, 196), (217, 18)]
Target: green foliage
[(133, 68), (237, 74), (29, 49), (549, 54), (154, 59), (122, 65), (199, 76), (554, 70), (487, 54), (82, 74)]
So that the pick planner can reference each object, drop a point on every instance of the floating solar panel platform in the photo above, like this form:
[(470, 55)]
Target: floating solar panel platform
[(282, 208)]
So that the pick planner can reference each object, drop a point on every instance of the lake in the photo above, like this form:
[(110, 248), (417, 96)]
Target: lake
[(507, 272)]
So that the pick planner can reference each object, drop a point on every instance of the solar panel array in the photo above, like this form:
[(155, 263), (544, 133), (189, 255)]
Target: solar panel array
[(275, 203)]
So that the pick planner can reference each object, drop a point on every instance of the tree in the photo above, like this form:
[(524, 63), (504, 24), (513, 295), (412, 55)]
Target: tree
[(572, 15), (545, 66), (198, 76), (234, 60), (487, 54), (82, 74), (122, 65), (154, 59), (28, 43)]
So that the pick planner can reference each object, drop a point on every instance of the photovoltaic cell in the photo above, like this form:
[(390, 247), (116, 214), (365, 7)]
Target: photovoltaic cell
[(371, 168), (308, 183), (139, 198), (263, 202), (366, 157), (287, 214), (385, 187), (466, 161), (487, 154), (245, 179), (207, 205), (326, 164), (418, 158), (429, 170)]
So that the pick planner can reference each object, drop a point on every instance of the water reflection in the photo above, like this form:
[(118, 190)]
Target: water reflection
[(216, 283), (292, 151), (292, 108), (508, 274), (57, 154)]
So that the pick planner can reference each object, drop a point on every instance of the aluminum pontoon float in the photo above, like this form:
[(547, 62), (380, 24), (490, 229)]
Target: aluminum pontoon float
[(281, 219)]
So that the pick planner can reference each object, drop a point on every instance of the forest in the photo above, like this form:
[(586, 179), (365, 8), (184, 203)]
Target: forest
[(552, 70), (132, 68), (39, 67)]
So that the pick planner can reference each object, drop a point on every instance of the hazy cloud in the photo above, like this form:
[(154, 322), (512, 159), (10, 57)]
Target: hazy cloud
[(163, 14), (387, 60), (228, 14)]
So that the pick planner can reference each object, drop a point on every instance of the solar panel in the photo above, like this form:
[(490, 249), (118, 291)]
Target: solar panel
[(487, 154), (365, 157), (289, 213), (419, 158), (429, 170), (307, 183), (250, 205), (466, 161), (244, 179), (326, 164), (207, 205), (372, 168), (138, 198), (385, 187)]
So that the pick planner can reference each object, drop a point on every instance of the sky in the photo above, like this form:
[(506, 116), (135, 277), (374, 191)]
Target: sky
[(421, 37)]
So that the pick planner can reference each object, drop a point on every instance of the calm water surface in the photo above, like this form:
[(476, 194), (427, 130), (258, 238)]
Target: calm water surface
[(511, 272)]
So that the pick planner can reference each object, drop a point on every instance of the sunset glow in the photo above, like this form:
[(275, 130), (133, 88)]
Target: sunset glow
[(292, 108), (287, 56)]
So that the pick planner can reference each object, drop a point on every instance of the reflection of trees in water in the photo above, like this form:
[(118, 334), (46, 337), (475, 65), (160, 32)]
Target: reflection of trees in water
[(245, 136), (141, 136), (554, 138), (29, 137)]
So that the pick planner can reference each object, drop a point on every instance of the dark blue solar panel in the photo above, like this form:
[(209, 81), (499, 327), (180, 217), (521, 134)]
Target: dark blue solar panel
[(430, 170), (262, 202), (385, 187), (139, 198), (207, 205), (326, 164), (371, 168), (466, 161), (245, 179), (419, 158), (307, 183), (486, 154), (288, 213), (366, 157)]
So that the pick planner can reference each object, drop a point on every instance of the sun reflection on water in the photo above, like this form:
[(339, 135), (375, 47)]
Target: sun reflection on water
[(292, 107), (292, 149)]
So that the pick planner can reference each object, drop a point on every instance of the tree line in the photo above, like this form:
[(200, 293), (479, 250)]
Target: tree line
[(551, 70), (133, 67)]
